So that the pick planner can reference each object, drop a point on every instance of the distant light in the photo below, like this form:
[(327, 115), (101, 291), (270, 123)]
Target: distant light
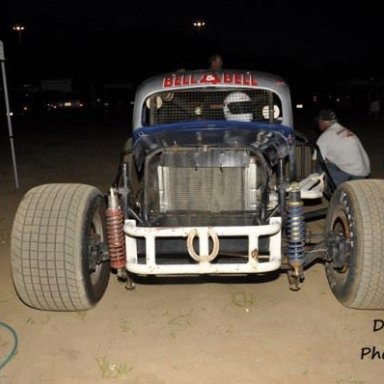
[(199, 24), (81, 105), (299, 106), (338, 100), (25, 108), (67, 104), (10, 113), (315, 99), (18, 27), (98, 100)]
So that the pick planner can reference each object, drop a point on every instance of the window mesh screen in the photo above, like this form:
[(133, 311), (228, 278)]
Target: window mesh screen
[(204, 104)]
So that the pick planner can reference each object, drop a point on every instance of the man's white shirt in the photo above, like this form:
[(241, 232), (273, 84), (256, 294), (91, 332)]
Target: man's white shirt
[(341, 147)]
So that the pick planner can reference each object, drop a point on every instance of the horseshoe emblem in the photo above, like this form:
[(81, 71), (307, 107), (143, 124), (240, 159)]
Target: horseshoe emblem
[(191, 249)]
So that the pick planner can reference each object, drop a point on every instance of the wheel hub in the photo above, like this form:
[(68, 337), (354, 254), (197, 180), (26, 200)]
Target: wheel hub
[(97, 253), (339, 249)]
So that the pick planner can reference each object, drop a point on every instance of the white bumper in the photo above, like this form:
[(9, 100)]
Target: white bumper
[(203, 262)]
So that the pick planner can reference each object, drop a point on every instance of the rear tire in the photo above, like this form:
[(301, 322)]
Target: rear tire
[(53, 230), (356, 211)]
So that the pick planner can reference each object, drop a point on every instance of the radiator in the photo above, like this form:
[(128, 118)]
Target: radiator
[(210, 189)]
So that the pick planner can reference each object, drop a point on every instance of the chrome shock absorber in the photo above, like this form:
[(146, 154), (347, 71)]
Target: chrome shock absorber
[(295, 235)]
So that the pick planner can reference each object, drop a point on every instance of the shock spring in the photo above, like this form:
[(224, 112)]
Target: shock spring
[(115, 231), (295, 229)]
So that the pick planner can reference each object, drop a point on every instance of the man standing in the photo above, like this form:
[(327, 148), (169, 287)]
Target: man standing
[(215, 63), (341, 149)]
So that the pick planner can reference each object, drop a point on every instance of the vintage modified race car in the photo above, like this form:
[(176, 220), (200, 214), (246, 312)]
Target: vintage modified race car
[(213, 181)]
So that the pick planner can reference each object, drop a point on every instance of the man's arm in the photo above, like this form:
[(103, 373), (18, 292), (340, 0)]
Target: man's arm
[(323, 145)]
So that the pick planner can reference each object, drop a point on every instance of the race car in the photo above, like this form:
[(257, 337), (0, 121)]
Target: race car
[(213, 181)]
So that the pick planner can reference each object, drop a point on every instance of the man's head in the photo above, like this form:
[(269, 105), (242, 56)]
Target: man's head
[(216, 62), (326, 118)]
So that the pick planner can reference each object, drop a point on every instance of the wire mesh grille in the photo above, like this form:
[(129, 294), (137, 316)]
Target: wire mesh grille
[(206, 104)]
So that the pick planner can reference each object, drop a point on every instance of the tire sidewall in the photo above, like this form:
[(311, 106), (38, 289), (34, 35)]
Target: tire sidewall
[(343, 204)]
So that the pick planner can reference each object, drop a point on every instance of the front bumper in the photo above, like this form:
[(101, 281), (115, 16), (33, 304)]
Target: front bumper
[(204, 262)]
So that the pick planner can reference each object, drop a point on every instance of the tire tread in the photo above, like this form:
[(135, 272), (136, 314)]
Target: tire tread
[(46, 247)]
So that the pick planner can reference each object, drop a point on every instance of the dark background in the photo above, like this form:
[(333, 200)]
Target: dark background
[(330, 52)]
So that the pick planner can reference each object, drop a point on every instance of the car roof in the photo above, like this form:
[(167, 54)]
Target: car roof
[(262, 78), (205, 78)]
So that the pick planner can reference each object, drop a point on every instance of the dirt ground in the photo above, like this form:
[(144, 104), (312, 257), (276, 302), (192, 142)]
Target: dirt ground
[(211, 331)]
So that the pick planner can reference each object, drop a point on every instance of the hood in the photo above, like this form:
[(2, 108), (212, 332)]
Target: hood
[(274, 141)]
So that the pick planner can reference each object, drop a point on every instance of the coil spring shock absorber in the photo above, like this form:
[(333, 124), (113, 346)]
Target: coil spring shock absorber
[(295, 232), (116, 239)]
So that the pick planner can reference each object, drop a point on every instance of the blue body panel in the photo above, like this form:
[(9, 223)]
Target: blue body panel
[(273, 140), (211, 125)]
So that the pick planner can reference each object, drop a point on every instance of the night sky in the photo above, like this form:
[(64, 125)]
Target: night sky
[(288, 37)]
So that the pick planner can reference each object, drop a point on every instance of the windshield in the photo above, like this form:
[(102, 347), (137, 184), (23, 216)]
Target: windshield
[(246, 105)]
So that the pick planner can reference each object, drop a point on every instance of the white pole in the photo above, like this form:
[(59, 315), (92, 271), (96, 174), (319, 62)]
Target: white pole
[(8, 113)]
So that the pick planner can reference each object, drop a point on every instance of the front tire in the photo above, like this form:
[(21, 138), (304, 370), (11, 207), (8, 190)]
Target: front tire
[(54, 230), (356, 212)]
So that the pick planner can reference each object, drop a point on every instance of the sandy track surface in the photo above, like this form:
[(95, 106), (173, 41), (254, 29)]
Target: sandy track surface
[(218, 330)]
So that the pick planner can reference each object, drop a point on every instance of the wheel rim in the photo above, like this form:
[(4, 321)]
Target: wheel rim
[(341, 227), (96, 235)]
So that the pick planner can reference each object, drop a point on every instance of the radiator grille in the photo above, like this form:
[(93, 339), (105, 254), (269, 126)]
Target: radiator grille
[(207, 189)]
